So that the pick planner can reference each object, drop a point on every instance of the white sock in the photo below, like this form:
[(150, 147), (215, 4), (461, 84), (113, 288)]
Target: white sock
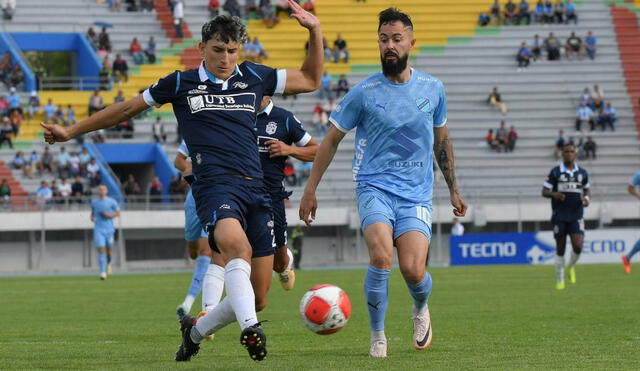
[(378, 335), (573, 259), (217, 318), (212, 287), (237, 281), (188, 302), (559, 268)]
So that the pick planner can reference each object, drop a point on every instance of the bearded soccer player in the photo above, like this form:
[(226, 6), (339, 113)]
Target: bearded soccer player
[(568, 188), (216, 106), (399, 116)]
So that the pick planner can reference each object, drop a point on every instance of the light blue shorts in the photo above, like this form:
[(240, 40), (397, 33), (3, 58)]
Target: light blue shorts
[(193, 230), (103, 238), (378, 206)]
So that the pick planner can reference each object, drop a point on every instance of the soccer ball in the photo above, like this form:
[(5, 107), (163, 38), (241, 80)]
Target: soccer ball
[(325, 309)]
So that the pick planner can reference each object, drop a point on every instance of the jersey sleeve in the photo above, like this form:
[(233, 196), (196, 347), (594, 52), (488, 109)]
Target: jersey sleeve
[(440, 113), (114, 205), (296, 132), (163, 91), (182, 149), (348, 112), (273, 80), (552, 180), (635, 181)]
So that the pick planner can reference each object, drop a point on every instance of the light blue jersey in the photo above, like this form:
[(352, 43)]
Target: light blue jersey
[(98, 207), (635, 181), (394, 132), (193, 230)]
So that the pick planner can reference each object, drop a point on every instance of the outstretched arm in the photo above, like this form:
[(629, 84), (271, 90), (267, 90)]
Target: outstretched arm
[(308, 77), (326, 151), (106, 118), (305, 153), (443, 150)]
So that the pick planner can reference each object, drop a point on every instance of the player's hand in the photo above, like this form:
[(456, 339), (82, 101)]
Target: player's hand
[(308, 206), (459, 204), (277, 148), (585, 201), (55, 133), (306, 19), (558, 196)]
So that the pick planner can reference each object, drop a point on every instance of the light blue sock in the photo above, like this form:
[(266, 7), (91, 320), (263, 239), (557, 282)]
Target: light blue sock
[(102, 262), (420, 291), (633, 251), (375, 291), (202, 264)]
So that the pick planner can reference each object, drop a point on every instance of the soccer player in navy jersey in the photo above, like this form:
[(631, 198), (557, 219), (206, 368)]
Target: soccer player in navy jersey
[(568, 188), (280, 134), (399, 116), (216, 106)]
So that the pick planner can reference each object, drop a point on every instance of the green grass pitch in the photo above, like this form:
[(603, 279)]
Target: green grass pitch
[(502, 317)]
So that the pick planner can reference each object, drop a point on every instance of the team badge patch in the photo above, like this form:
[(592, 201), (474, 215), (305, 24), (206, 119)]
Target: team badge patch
[(423, 104), (271, 127)]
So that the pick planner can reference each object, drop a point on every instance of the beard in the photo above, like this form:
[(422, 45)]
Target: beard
[(394, 68)]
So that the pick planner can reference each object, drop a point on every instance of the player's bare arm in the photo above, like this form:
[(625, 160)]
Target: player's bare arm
[(586, 197), (106, 118), (633, 191), (308, 77), (443, 151), (548, 193), (326, 151), (181, 163), (306, 153)]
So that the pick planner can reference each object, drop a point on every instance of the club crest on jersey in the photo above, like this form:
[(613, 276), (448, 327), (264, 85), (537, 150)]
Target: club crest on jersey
[(579, 178), (198, 158), (202, 87), (240, 85), (271, 128), (423, 104)]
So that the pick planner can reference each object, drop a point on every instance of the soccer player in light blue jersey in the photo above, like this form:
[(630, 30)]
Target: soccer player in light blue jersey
[(103, 210), (633, 190), (399, 116), (208, 275)]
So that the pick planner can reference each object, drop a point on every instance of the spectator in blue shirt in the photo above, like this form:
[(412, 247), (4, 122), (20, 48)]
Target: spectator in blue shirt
[(590, 45), (49, 111), (524, 12), (607, 117), (15, 101), (44, 194), (536, 47), (524, 56), (483, 19), (584, 114), (325, 86), (495, 12), (150, 52), (33, 107), (538, 12), (70, 116), (585, 97), (558, 12), (548, 12), (570, 13)]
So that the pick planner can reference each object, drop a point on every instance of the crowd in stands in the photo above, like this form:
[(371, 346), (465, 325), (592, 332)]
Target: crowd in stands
[(574, 48), (339, 52), (543, 12), (503, 139), (11, 73), (328, 93), (586, 148), (11, 116), (594, 111), (130, 5), (8, 9)]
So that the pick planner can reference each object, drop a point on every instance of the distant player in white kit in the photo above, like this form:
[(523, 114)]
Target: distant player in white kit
[(400, 116)]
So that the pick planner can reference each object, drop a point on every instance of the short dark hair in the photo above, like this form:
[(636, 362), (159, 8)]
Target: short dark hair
[(391, 15), (224, 28)]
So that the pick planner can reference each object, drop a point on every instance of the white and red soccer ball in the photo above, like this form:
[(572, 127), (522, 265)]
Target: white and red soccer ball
[(325, 309)]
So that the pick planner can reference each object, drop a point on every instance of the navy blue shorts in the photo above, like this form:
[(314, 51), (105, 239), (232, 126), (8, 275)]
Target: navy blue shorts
[(244, 200), (279, 215), (562, 228)]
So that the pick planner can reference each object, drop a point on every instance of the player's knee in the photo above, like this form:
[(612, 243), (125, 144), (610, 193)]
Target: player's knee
[(413, 274), (381, 261)]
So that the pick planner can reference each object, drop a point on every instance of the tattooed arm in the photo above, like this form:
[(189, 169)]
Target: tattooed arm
[(443, 152)]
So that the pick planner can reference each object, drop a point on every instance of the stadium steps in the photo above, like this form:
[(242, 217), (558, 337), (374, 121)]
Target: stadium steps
[(628, 32), (17, 192), (165, 16)]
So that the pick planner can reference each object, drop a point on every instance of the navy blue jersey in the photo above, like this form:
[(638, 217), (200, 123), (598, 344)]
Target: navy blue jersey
[(572, 184), (217, 118), (277, 123)]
